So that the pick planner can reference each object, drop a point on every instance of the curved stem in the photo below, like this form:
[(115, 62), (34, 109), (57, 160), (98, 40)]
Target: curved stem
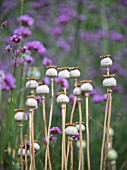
[(108, 127), (104, 133), (87, 132)]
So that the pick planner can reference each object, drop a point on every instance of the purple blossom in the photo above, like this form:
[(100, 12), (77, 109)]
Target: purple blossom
[(4, 24), (55, 130), (8, 82), (97, 98), (38, 98), (24, 31), (118, 88), (26, 20), (81, 18), (116, 36), (37, 46), (123, 21), (76, 137), (47, 61), (64, 45), (63, 19), (24, 49), (8, 48), (85, 35), (16, 38), (57, 31), (104, 97), (52, 138), (124, 2), (29, 59), (64, 82), (46, 80)]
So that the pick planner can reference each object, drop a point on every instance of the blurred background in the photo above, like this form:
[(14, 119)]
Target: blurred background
[(63, 33)]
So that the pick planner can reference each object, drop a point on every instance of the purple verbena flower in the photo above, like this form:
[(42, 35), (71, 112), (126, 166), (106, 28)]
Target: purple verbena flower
[(116, 36), (64, 82), (76, 137), (29, 59), (55, 130), (16, 38), (8, 82), (52, 138), (47, 61), (64, 45), (63, 19), (57, 31), (97, 98), (36, 45), (23, 31), (26, 20), (4, 24), (104, 97), (24, 49), (8, 48), (38, 98), (46, 80)]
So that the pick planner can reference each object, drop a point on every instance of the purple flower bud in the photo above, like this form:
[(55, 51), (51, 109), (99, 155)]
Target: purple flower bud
[(104, 97), (97, 98), (26, 20), (4, 24), (55, 130), (16, 38), (23, 31), (8, 48), (46, 61), (76, 137), (38, 98), (24, 49)]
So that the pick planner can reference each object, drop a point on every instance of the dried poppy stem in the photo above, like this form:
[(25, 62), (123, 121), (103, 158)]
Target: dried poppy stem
[(21, 144), (47, 155), (71, 155), (87, 132), (31, 122), (26, 168), (104, 133), (50, 116), (108, 126), (63, 139), (80, 132)]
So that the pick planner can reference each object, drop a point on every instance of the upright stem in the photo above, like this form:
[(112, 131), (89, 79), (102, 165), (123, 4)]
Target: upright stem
[(32, 156), (50, 117), (63, 163), (71, 154), (113, 165), (104, 133), (73, 108), (21, 145), (87, 132), (47, 155), (108, 126), (26, 168), (80, 132)]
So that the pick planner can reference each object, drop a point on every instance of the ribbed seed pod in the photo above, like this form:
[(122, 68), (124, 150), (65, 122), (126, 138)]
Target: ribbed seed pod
[(86, 86), (82, 127), (71, 131), (64, 73), (20, 116), (32, 83), (31, 103), (106, 62), (42, 89), (74, 72), (77, 90), (112, 154), (62, 98), (109, 82), (51, 71)]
